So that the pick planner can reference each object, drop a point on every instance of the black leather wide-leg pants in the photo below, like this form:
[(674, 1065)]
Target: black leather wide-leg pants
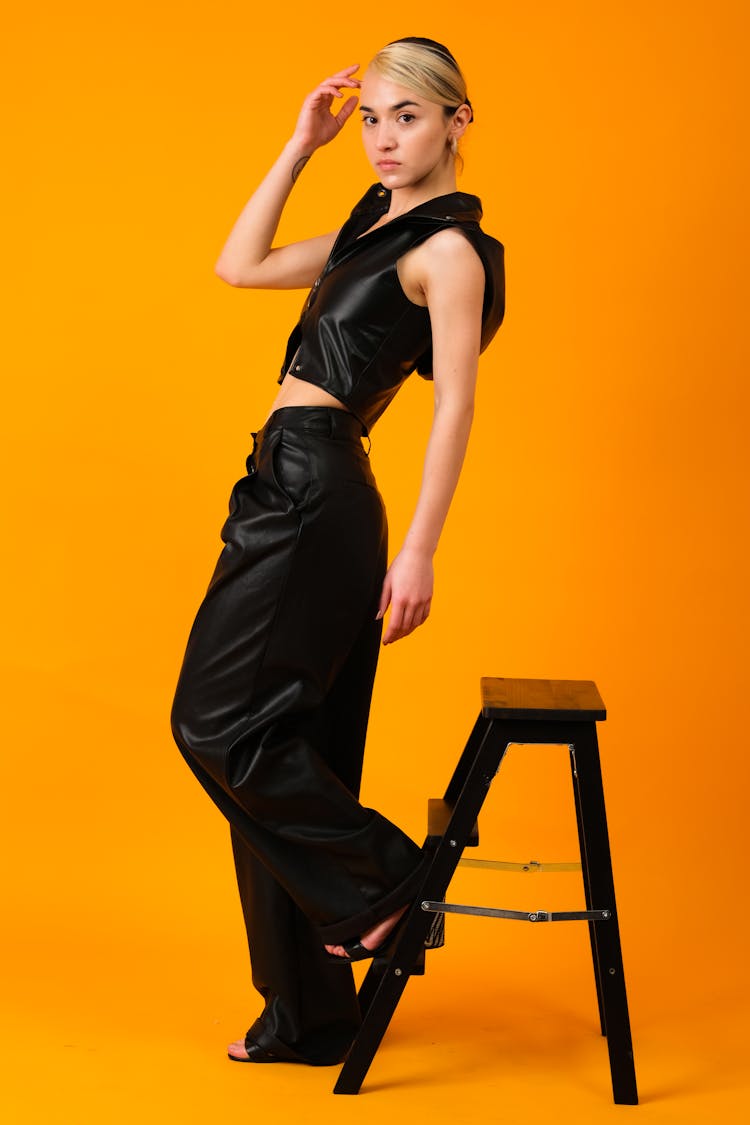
[(271, 711)]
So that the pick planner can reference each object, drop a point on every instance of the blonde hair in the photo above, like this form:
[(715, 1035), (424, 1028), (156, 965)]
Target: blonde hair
[(428, 68)]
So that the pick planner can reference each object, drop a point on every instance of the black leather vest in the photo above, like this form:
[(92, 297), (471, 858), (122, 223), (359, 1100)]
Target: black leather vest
[(359, 336)]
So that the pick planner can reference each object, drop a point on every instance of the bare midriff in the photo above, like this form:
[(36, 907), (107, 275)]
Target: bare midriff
[(298, 392)]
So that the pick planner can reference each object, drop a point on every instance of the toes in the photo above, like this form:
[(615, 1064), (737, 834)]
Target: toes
[(238, 1049)]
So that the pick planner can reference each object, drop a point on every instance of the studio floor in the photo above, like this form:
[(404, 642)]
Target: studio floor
[(502, 1028)]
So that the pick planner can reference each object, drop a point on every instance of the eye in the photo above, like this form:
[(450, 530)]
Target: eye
[(406, 117), (367, 119)]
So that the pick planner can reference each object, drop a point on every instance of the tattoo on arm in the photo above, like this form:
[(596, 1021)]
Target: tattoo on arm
[(298, 168)]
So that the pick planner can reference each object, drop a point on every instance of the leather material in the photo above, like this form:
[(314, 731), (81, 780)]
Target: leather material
[(270, 713), (359, 336), (272, 701), (310, 1006), (263, 1047)]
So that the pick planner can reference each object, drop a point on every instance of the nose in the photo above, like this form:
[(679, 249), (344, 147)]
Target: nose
[(384, 140)]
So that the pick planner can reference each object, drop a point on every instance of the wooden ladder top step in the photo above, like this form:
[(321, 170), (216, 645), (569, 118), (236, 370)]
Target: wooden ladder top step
[(560, 700)]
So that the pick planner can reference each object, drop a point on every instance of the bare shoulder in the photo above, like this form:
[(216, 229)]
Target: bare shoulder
[(449, 251), (449, 267), (445, 262), (450, 240)]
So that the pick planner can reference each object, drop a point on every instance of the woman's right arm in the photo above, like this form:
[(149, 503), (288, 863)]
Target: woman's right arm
[(248, 259)]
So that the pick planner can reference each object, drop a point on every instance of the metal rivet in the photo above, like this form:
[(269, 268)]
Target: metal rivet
[(612, 972), (397, 972), (298, 367), (452, 843)]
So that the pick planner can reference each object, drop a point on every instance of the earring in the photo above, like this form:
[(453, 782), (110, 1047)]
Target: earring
[(454, 146)]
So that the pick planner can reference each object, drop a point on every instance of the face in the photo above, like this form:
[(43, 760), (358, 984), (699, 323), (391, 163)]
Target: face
[(406, 137)]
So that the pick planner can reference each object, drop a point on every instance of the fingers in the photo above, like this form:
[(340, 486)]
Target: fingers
[(323, 95), (346, 74), (333, 84), (395, 622), (326, 88), (346, 111), (405, 618), (385, 597), (317, 121)]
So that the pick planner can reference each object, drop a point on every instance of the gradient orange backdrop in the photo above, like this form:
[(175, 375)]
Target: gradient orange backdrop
[(599, 532)]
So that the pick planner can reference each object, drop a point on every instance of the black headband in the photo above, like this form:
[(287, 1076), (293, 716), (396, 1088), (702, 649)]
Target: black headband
[(438, 49), (431, 43)]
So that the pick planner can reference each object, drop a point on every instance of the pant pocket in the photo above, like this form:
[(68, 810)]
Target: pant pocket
[(291, 466)]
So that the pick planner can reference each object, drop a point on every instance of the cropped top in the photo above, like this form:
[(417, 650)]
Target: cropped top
[(359, 336)]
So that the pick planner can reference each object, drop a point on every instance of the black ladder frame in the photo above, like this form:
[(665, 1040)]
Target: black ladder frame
[(546, 712)]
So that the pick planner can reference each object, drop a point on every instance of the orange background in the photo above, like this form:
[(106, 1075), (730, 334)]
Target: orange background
[(599, 532)]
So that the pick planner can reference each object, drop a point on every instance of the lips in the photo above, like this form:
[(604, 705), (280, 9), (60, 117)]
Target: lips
[(388, 164)]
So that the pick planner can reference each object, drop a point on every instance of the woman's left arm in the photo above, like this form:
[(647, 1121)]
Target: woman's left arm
[(451, 276)]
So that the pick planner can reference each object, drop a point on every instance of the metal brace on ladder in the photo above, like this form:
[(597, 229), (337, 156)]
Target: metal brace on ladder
[(518, 915), (533, 866)]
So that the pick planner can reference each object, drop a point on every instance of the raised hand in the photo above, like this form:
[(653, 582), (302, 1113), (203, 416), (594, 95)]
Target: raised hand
[(316, 124)]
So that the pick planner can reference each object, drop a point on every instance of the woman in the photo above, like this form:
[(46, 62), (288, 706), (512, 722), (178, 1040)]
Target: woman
[(272, 702)]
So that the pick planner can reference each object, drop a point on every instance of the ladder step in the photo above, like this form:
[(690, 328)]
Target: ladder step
[(439, 813), (533, 866)]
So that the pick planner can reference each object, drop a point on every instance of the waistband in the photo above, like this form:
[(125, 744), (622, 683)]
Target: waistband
[(331, 421)]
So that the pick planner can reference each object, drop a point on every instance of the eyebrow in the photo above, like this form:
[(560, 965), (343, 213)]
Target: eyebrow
[(399, 105)]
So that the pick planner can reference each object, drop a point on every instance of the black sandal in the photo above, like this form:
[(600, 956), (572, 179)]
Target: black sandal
[(266, 1048), (356, 951)]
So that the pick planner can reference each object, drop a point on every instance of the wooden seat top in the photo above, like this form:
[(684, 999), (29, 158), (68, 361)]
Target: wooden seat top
[(571, 700)]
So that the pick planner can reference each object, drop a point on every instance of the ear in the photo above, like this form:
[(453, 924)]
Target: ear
[(459, 122)]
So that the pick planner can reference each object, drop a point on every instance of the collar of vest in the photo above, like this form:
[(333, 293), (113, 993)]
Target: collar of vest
[(455, 205)]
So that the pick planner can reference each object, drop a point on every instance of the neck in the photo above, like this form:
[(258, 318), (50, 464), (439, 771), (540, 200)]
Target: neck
[(405, 198)]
